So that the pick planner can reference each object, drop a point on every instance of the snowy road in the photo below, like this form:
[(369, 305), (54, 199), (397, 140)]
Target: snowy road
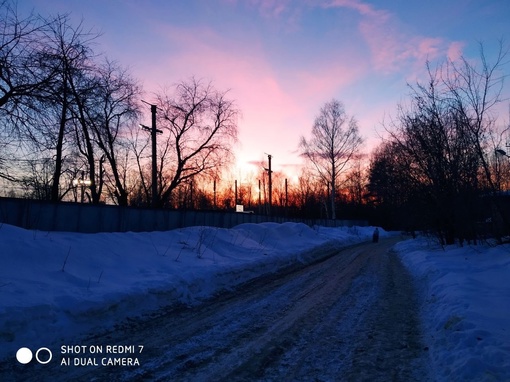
[(352, 316)]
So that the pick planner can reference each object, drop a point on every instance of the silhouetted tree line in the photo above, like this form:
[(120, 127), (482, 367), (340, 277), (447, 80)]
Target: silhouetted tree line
[(304, 199), (69, 130), (69, 119), (436, 171)]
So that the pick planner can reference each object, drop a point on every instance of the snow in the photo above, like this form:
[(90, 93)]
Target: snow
[(465, 311), (56, 286)]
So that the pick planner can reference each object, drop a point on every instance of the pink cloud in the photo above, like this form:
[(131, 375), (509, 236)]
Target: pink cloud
[(265, 100), (277, 109), (363, 8), (455, 50), (391, 44), (428, 47), (271, 8), (392, 49), (267, 8), (243, 67)]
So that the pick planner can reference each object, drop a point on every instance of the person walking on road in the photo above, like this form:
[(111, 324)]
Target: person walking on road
[(375, 236)]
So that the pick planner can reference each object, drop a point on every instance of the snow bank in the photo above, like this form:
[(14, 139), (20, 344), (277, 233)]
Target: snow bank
[(465, 296), (55, 285)]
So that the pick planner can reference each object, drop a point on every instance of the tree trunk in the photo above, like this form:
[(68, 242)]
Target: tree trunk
[(55, 197)]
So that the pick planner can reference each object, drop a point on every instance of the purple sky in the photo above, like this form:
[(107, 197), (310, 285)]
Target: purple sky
[(283, 59)]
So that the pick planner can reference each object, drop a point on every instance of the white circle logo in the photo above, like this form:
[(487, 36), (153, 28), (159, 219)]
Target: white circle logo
[(42, 362), (24, 355)]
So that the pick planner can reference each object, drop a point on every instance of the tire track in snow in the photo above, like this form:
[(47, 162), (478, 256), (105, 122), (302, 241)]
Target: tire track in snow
[(350, 316)]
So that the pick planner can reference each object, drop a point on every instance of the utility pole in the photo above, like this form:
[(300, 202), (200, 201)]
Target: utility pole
[(154, 159), (214, 190), (260, 199), (286, 198), (270, 183), (192, 202), (153, 132), (235, 193)]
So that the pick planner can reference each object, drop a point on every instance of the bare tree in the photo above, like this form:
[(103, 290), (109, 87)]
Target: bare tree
[(23, 76), (82, 87), (334, 142), (278, 180), (440, 147), (305, 188), (106, 110), (21, 66), (201, 126), (57, 102), (499, 164), (68, 52), (139, 146), (394, 190), (475, 90), (38, 59), (355, 183)]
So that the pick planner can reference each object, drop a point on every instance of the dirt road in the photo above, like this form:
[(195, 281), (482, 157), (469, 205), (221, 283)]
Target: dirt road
[(351, 317)]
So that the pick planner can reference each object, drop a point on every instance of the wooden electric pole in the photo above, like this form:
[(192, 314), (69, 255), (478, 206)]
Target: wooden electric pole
[(153, 132), (270, 184)]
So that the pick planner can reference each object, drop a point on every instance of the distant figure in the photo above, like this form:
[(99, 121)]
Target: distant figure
[(375, 236)]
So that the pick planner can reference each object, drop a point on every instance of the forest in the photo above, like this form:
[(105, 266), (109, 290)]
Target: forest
[(70, 130)]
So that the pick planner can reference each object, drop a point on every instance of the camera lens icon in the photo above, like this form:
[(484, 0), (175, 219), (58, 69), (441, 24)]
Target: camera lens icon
[(42, 355)]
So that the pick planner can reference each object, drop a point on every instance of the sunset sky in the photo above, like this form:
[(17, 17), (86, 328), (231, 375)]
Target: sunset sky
[(283, 59)]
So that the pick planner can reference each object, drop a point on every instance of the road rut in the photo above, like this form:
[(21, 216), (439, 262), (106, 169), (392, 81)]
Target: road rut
[(352, 316)]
